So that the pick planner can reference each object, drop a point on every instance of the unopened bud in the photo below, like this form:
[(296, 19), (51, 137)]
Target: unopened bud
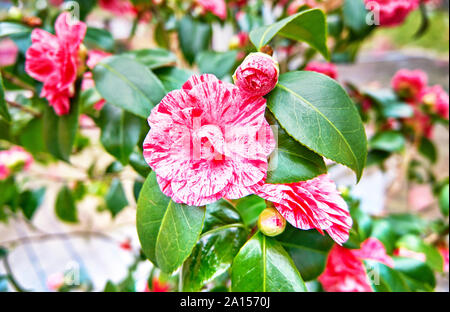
[(271, 222), (14, 13)]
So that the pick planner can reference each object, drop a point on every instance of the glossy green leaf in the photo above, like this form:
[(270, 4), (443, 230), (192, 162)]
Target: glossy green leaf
[(30, 201), (389, 141), (316, 111), (262, 265), (138, 163), (428, 150), (60, 131), (213, 255), (65, 206), (116, 199), (120, 131), (355, 14), (3, 107), (383, 278), (308, 249), (128, 84), (291, 161), (250, 207), (308, 26), (444, 200), (389, 104), (10, 28), (384, 232), (220, 213), (153, 58), (219, 64), (173, 77), (168, 231), (414, 243), (194, 37), (98, 38), (417, 274), (31, 137)]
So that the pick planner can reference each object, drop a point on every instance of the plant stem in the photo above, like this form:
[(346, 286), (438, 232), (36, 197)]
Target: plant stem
[(11, 277), (24, 108)]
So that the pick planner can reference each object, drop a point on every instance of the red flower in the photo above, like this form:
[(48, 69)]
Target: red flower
[(257, 75), (216, 7), (409, 83), (313, 204), (391, 12), (118, 7), (157, 286), (207, 141), (436, 98), (328, 69), (345, 270), (54, 60)]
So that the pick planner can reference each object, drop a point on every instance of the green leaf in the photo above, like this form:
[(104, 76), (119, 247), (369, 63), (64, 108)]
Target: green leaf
[(31, 137), (220, 213), (263, 265), (389, 104), (98, 38), (65, 206), (444, 200), (153, 58), (116, 199), (308, 249), (194, 37), (3, 107), (291, 161), (213, 255), (111, 287), (316, 111), (10, 28), (384, 232), (139, 164), (417, 274), (249, 208), (383, 278), (355, 13), (60, 131), (120, 131), (173, 78), (161, 36), (168, 231), (428, 150), (29, 201), (219, 64), (128, 84), (309, 26), (389, 141), (414, 243), (404, 223)]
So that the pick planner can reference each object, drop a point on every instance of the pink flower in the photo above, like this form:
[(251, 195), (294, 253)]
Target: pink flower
[(436, 98), (207, 141), (345, 270), (420, 123), (257, 75), (313, 204), (55, 281), (409, 83), (14, 160), (216, 7), (443, 250), (157, 286), (298, 4), (118, 7), (406, 253), (54, 60), (328, 69), (391, 12), (94, 57), (8, 52)]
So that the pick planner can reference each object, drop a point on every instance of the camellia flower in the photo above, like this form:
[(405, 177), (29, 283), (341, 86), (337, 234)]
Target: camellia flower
[(420, 123), (118, 7), (8, 52), (298, 4), (14, 160), (257, 75), (54, 60), (207, 141), (313, 204), (408, 84), (216, 7), (345, 270), (391, 12), (328, 69), (94, 57), (436, 98)]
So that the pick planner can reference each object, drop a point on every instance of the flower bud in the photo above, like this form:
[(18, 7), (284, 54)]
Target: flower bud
[(257, 75), (14, 13), (271, 222)]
